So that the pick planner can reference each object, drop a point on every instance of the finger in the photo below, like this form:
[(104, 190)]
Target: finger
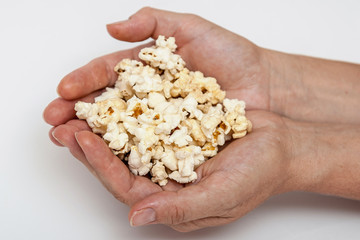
[(150, 22), (53, 139), (172, 186), (147, 22), (97, 74), (59, 111), (261, 118), (113, 173), (80, 124), (190, 203), (65, 134)]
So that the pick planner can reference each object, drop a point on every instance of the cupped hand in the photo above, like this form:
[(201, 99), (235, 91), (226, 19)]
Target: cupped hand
[(243, 175), (239, 178), (238, 64)]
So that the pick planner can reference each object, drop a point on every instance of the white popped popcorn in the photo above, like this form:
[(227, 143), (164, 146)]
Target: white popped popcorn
[(158, 173), (162, 118), (116, 136), (139, 164), (162, 55), (180, 137)]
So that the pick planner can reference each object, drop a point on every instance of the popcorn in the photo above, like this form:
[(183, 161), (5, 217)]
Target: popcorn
[(162, 55), (169, 159), (195, 131), (162, 118), (187, 157), (190, 105), (235, 117), (180, 137), (182, 179), (116, 135), (211, 120), (208, 150), (139, 164), (159, 174)]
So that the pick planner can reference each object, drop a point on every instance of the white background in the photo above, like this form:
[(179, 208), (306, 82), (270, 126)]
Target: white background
[(46, 194)]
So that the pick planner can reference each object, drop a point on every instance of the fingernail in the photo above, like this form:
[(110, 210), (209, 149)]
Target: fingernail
[(57, 138), (143, 217), (75, 134), (118, 22)]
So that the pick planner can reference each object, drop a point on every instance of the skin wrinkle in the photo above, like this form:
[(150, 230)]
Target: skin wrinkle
[(225, 210), (272, 85), (265, 64), (204, 222), (198, 224), (130, 191), (178, 216), (188, 24), (290, 150), (111, 75)]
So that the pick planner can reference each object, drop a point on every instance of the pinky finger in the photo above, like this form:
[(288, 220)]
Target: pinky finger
[(53, 139), (65, 134)]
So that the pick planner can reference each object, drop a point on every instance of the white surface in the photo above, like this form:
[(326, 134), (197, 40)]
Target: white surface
[(46, 194)]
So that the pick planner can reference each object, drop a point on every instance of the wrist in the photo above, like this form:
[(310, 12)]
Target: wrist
[(312, 89), (286, 88), (325, 158), (304, 171)]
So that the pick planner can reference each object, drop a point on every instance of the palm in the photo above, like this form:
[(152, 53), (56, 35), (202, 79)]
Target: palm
[(241, 174), (243, 163)]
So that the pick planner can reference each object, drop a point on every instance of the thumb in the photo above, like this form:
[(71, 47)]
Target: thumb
[(193, 202), (147, 22)]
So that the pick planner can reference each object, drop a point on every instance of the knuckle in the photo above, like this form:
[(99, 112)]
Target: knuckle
[(145, 10), (177, 216), (119, 197), (193, 17)]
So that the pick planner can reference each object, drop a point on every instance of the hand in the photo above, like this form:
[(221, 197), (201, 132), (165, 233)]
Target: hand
[(234, 61), (280, 155), (239, 178), (244, 79), (265, 79), (243, 181), (229, 185)]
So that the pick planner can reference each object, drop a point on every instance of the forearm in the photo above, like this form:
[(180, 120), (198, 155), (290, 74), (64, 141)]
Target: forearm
[(326, 158), (313, 89)]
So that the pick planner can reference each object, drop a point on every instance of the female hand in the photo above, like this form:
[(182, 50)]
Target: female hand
[(265, 79), (239, 178), (234, 61), (241, 174)]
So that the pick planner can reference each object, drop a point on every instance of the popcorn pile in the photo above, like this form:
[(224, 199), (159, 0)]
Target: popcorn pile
[(163, 118)]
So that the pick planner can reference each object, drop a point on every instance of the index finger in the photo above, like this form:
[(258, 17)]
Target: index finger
[(97, 74)]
